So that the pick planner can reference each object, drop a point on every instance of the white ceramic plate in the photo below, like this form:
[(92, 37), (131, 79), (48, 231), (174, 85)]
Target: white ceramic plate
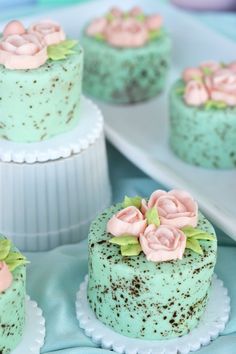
[(140, 132)]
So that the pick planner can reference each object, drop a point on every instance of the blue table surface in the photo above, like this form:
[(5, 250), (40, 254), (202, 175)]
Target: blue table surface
[(54, 277)]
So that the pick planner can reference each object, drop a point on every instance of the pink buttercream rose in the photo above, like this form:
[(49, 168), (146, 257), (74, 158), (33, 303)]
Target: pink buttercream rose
[(13, 27), (6, 277), (175, 208), (154, 22), (136, 11), (191, 74), (50, 31), (163, 243), (96, 26), (213, 66), (232, 66), (222, 86), (196, 93), (116, 12), (127, 221), (25, 51), (126, 33)]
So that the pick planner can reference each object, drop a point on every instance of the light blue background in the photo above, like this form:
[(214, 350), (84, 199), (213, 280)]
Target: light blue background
[(54, 277)]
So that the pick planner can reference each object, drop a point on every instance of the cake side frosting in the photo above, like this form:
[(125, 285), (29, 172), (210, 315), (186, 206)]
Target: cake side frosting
[(147, 299), (12, 305), (41, 102)]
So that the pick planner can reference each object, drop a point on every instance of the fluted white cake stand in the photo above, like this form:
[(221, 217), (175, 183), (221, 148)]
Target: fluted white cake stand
[(211, 325), (52, 190)]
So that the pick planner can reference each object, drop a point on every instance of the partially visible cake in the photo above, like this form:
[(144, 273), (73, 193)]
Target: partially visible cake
[(12, 296), (127, 56), (203, 115), (150, 265), (40, 82)]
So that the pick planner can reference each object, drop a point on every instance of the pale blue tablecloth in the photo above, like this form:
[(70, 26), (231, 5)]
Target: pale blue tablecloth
[(54, 277)]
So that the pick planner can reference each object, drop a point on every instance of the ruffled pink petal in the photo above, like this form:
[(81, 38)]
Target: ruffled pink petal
[(191, 74), (13, 27), (135, 11), (6, 277), (27, 49), (12, 61), (228, 98), (154, 22), (118, 227)]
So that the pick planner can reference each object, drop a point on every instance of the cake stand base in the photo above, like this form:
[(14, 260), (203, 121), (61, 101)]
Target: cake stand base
[(210, 326), (34, 334)]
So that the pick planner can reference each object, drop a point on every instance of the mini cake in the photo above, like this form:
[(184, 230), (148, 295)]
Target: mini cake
[(40, 84), (151, 265), (203, 116), (127, 56), (12, 296)]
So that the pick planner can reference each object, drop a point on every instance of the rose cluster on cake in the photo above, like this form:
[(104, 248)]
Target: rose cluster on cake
[(211, 84), (125, 29), (162, 227), (30, 48)]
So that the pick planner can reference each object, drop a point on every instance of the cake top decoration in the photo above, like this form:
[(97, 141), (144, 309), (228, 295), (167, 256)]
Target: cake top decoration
[(211, 85), (122, 29), (161, 227), (22, 48), (9, 261)]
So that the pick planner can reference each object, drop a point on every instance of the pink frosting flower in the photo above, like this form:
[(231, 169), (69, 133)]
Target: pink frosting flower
[(212, 65), (154, 22), (222, 86), (97, 26), (164, 243), (175, 208), (127, 221), (232, 66), (126, 33), (6, 277), (135, 11), (116, 12), (22, 51), (191, 74), (51, 32), (196, 93), (13, 27)]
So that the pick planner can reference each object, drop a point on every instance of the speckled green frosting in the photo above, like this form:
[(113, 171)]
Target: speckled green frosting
[(125, 75), (38, 104), (202, 137), (143, 299), (12, 312)]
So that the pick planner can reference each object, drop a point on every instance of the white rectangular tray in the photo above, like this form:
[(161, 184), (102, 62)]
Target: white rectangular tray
[(140, 131)]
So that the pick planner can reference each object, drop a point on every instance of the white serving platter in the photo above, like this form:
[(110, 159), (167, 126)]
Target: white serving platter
[(140, 131)]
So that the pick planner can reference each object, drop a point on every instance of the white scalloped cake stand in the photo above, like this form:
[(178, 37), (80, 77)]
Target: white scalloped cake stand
[(211, 325), (34, 334)]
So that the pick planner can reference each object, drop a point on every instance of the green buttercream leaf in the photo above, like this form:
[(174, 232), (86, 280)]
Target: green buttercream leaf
[(132, 201), (194, 245), (99, 37), (14, 260), (110, 17), (197, 234), (155, 34), (180, 90), (153, 217), (124, 240), (210, 104), (131, 250), (61, 50), (207, 71), (140, 17), (5, 246)]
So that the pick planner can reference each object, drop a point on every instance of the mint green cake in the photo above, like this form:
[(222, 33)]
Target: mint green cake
[(202, 113), (144, 299), (12, 300), (125, 75), (39, 103)]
